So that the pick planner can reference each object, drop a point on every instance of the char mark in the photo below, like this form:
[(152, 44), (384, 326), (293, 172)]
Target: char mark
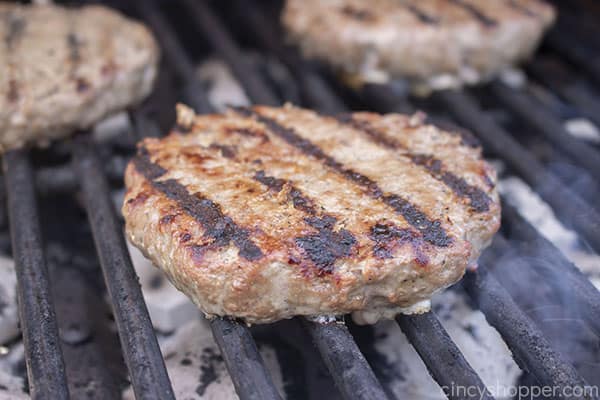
[(387, 237), (82, 85), (522, 9), (227, 151), (358, 14), (432, 230), (74, 45), (15, 29), (478, 199), (12, 95), (421, 15), (476, 13), (217, 226), (466, 137), (295, 196), (326, 246)]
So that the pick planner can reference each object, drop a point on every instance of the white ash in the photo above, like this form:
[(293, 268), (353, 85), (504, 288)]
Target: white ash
[(11, 387), (223, 88), (514, 78), (542, 217), (582, 128), (112, 126), (196, 368), (167, 306), (9, 315), (12, 359), (481, 345), (325, 319)]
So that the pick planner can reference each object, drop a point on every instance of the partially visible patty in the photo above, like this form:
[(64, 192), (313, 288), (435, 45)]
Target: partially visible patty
[(63, 69), (266, 213), (436, 43)]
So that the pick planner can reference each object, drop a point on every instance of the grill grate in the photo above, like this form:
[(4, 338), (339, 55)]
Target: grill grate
[(568, 206), (529, 347), (350, 370), (45, 365), (142, 355)]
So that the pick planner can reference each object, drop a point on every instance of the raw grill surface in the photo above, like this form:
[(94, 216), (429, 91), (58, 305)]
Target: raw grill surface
[(299, 216)]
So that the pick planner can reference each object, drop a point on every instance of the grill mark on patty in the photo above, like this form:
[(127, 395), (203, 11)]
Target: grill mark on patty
[(478, 199), (14, 32), (74, 44), (514, 4), (295, 195), (466, 137), (420, 14), (476, 13), (326, 246), (217, 226), (74, 49), (15, 29), (12, 95), (387, 236), (227, 151), (358, 14), (432, 230)]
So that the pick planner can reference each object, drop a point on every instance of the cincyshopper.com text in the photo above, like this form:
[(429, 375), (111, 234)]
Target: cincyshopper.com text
[(522, 392)]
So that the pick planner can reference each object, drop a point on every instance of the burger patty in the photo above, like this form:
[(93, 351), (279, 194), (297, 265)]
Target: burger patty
[(63, 69), (267, 213), (432, 43)]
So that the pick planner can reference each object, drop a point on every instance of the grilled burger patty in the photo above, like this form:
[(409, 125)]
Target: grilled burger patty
[(266, 213), (436, 43), (63, 69)]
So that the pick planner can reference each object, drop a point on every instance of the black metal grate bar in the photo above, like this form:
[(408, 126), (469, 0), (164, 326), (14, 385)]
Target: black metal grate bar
[(212, 28), (144, 126), (583, 291), (573, 50), (350, 371), (314, 88), (245, 365), (570, 208), (179, 61), (530, 348), (550, 126), (442, 357), (43, 354), (142, 355), (559, 79)]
